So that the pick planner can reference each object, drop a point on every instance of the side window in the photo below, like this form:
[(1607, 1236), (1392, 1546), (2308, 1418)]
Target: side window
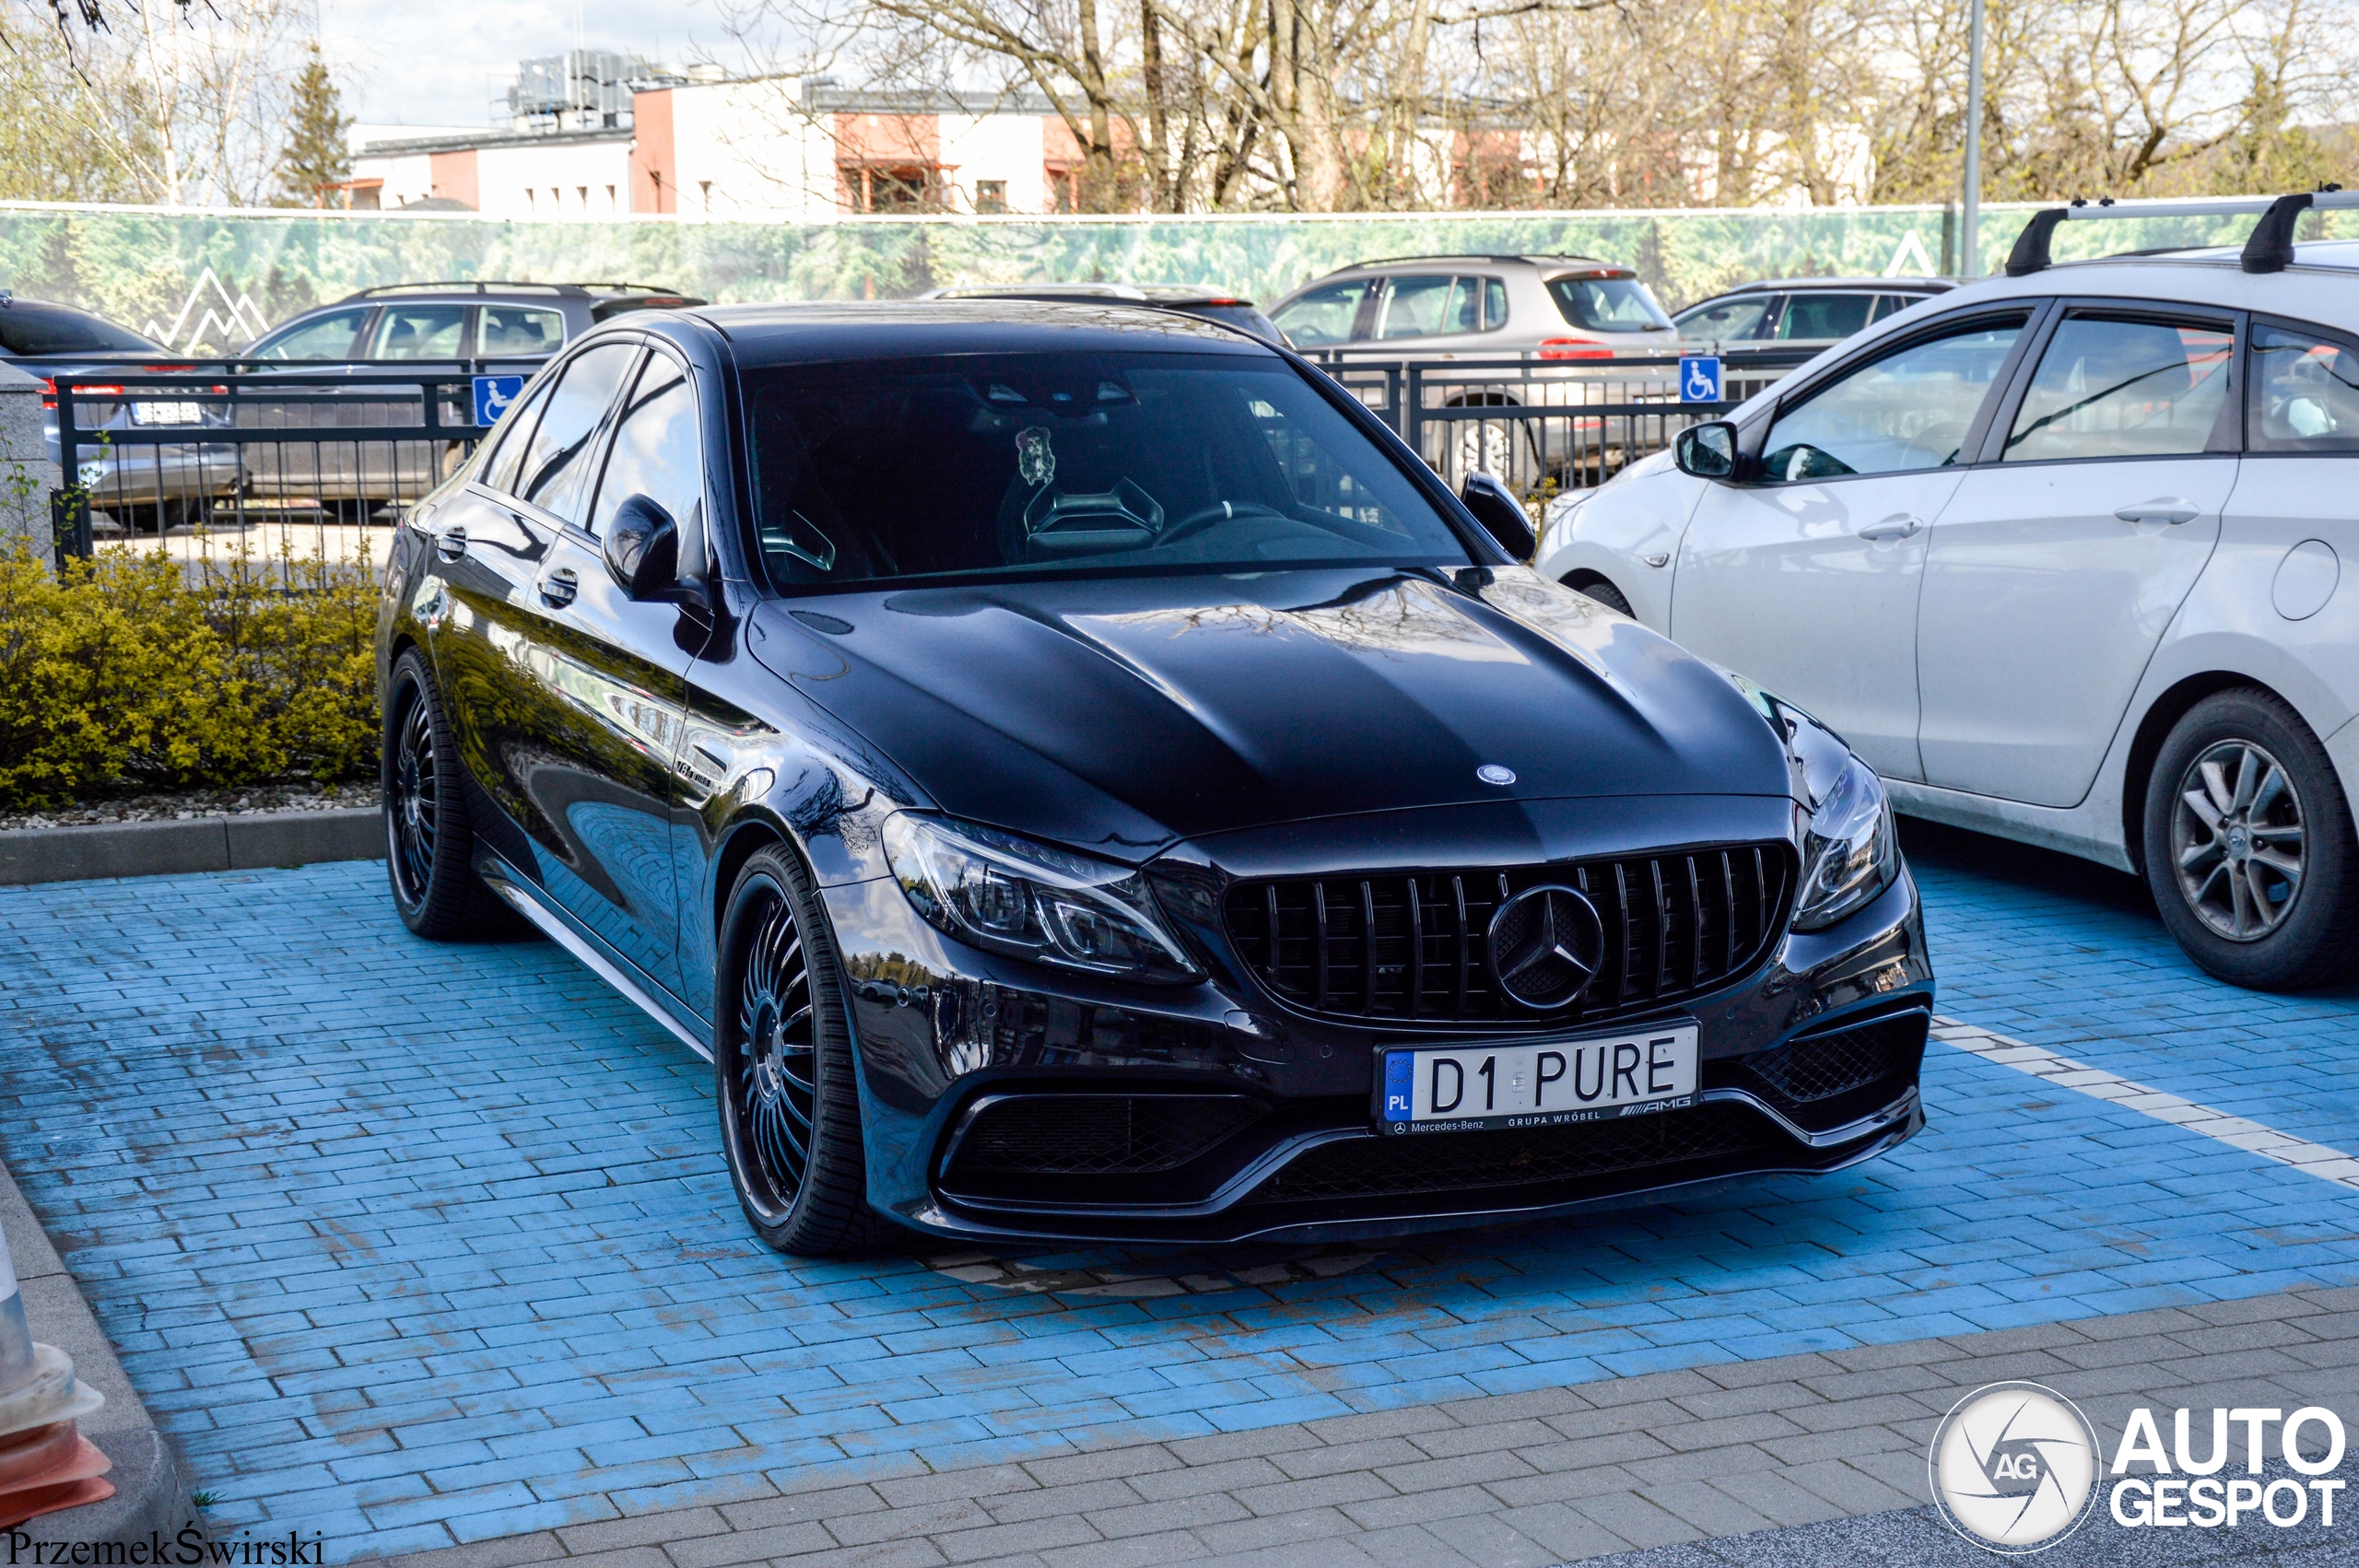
[(1324, 315), (1730, 320), (2113, 387), (332, 336), (1494, 304), (1908, 410), (1824, 315), (551, 473), (513, 433), (519, 332), (419, 332), (1892, 305), (655, 454), (1418, 307), (2305, 393)]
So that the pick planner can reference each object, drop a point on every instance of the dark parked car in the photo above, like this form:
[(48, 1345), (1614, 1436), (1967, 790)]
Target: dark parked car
[(132, 485), (1078, 775), (1803, 309), (1210, 304)]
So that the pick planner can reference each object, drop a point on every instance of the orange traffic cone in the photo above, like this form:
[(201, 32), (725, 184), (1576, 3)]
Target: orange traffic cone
[(45, 1462)]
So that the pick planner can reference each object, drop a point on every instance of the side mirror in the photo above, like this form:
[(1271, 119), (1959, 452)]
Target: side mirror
[(1708, 452), (1501, 515), (642, 550)]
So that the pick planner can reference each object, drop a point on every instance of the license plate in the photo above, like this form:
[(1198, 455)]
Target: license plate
[(1461, 1088), (166, 413)]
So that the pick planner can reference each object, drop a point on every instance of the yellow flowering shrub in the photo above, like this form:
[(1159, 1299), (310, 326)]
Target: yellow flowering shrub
[(133, 670)]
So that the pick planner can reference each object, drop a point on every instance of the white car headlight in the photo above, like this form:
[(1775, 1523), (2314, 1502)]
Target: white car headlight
[(1032, 900), (1851, 851)]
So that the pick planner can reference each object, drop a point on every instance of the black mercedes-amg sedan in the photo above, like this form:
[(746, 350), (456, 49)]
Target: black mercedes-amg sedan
[(1079, 776)]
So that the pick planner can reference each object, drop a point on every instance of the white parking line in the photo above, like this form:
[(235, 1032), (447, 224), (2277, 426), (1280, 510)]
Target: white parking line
[(2327, 1164)]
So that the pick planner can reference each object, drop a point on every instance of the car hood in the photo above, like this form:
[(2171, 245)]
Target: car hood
[(1123, 714)]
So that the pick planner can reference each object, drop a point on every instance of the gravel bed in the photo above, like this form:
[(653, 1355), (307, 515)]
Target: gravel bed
[(198, 802)]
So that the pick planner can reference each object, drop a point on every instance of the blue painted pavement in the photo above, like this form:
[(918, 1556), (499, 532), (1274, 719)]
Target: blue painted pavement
[(413, 1244)]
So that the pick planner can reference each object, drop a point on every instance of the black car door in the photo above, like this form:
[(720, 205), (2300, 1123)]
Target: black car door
[(572, 695)]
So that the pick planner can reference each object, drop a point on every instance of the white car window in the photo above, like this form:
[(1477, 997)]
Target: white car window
[(1908, 410), (2110, 388), (519, 332), (1814, 315), (1730, 320), (2305, 393), (1419, 306), (420, 332), (1324, 315)]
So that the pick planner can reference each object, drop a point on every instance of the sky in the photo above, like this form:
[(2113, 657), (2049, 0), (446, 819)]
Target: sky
[(443, 62)]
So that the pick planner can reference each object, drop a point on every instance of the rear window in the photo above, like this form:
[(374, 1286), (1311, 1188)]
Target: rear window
[(27, 328), (1607, 304)]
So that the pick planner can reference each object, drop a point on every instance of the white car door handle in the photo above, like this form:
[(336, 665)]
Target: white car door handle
[(2162, 508), (1900, 525)]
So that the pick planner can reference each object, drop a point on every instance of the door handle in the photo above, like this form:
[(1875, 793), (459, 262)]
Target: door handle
[(452, 542), (1900, 525), (559, 587), (2162, 508)]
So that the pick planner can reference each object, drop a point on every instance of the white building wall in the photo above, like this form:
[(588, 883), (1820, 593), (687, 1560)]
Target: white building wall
[(997, 146), (749, 149), (555, 181), (409, 178)]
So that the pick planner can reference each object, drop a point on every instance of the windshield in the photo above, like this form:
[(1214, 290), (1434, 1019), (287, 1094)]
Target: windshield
[(1607, 304), (28, 328), (1056, 463)]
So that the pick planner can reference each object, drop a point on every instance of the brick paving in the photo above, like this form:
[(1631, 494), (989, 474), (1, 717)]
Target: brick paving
[(423, 1245), (1598, 1469)]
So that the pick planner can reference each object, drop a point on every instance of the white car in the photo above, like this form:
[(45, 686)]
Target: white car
[(2059, 553)]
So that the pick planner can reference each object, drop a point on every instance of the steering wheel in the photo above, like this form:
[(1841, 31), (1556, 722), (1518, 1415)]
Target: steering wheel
[(1219, 511)]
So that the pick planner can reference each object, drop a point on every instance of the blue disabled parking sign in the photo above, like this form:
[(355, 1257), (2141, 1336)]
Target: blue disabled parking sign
[(494, 395), (1699, 377)]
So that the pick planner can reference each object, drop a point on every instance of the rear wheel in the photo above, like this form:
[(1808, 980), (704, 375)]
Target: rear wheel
[(782, 1067), (2249, 850), (429, 841)]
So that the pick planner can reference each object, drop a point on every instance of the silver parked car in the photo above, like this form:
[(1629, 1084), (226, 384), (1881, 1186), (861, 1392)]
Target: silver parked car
[(1477, 307)]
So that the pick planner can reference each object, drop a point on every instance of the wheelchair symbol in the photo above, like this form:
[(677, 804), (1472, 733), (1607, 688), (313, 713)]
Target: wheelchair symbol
[(1699, 379), (494, 395)]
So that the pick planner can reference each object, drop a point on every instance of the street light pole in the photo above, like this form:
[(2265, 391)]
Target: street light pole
[(1969, 228)]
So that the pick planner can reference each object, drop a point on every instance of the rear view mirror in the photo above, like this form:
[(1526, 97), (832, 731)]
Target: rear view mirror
[(641, 545), (1708, 452), (1501, 515)]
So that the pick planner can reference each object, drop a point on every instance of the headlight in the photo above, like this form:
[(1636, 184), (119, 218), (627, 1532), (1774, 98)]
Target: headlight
[(1852, 852), (1012, 896)]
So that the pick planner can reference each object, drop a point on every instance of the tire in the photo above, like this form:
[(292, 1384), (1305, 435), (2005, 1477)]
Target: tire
[(429, 841), (2250, 850), (782, 1067), (1604, 593)]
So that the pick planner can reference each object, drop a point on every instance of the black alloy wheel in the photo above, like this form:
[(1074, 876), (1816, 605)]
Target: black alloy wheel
[(2248, 844), (429, 844), (782, 1067)]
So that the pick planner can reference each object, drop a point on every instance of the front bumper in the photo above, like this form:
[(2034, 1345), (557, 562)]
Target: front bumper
[(946, 1035)]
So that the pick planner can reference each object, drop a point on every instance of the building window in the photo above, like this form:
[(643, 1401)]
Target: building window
[(611, 208), (991, 195), (881, 187), (704, 194), (1064, 187)]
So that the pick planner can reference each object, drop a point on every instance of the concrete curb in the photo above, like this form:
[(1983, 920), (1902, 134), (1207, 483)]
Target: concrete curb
[(149, 1498), (197, 844)]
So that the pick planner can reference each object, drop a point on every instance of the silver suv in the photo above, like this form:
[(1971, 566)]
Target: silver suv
[(1476, 308)]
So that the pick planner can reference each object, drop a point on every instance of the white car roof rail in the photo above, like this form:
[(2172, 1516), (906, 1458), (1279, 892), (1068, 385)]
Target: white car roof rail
[(2270, 247)]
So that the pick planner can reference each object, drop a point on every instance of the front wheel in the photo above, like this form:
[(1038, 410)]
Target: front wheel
[(782, 1067), (430, 839), (2249, 850)]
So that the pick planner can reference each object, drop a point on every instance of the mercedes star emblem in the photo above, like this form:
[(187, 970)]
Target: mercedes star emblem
[(1492, 773), (1546, 944)]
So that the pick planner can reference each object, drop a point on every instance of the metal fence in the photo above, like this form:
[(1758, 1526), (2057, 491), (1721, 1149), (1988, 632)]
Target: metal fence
[(225, 466), (1572, 422)]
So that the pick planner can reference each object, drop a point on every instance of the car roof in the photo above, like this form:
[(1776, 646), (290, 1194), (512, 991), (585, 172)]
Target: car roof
[(773, 335), (1480, 259), (1926, 284), (1165, 294), (487, 288)]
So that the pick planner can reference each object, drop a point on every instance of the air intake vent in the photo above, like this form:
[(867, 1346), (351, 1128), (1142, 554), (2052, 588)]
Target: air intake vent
[(1410, 947), (1084, 1135), (1802, 1072)]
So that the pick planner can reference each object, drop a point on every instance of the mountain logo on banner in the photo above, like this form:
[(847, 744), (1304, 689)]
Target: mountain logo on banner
[(237, 320), (1909, 258)]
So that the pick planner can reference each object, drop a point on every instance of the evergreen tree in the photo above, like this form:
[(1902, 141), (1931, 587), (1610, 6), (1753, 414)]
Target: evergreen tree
[(316, 160)]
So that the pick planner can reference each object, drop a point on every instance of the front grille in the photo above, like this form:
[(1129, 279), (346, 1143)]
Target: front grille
[(1412, 947), (1803, 1072), (1460, 1162), (1098, 1134)]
